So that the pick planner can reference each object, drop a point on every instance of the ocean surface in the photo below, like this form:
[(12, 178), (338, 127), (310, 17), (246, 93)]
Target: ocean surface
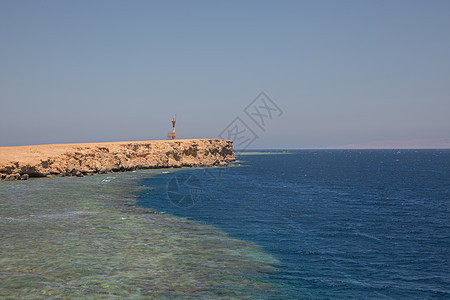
[(340, 224), (325, 224)]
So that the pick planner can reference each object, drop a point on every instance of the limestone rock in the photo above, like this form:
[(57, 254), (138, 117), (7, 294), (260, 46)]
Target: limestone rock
[(14, 176), (95, 158), (24, 177)]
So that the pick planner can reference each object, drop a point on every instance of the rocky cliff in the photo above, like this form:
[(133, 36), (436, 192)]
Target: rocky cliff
[(88, 159)]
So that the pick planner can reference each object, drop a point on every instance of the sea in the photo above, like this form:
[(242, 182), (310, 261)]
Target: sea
[(278, 224)]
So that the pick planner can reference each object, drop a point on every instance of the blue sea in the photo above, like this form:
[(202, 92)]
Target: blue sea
[(324, 224), (338, 224)]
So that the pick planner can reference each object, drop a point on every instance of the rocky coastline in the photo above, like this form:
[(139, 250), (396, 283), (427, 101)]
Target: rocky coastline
[(23, 162)]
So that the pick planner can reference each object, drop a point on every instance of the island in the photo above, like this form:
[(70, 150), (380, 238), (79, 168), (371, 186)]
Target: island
[(23, 162)]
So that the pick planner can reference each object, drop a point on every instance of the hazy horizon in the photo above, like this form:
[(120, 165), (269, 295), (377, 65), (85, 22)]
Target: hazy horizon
[(339, 73)]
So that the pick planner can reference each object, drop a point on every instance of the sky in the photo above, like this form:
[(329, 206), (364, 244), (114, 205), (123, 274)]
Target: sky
[(339, 72)]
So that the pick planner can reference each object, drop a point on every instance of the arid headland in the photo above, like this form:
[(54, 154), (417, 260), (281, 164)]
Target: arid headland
[(95, 158)]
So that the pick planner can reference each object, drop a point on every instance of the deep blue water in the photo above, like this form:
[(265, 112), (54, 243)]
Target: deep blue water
[(362, 224)]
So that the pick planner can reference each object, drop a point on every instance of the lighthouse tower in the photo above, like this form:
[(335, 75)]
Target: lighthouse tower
[(173, 128), (171, 135)]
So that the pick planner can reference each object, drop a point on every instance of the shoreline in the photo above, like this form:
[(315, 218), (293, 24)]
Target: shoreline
[(23, 162)]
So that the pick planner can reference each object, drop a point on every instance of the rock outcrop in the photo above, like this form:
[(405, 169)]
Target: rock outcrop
[(95, 158)]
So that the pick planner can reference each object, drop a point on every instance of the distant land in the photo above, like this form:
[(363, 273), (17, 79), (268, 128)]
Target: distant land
[(443, 143)]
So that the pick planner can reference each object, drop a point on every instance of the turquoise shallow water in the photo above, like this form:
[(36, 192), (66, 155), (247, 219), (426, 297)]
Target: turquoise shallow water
[(85, 238)]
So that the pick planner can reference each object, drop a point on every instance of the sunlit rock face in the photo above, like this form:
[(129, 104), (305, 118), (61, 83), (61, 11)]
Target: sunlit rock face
[(88, 159)]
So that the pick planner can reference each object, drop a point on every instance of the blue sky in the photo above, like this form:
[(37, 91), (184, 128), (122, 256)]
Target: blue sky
[(342, 71)]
